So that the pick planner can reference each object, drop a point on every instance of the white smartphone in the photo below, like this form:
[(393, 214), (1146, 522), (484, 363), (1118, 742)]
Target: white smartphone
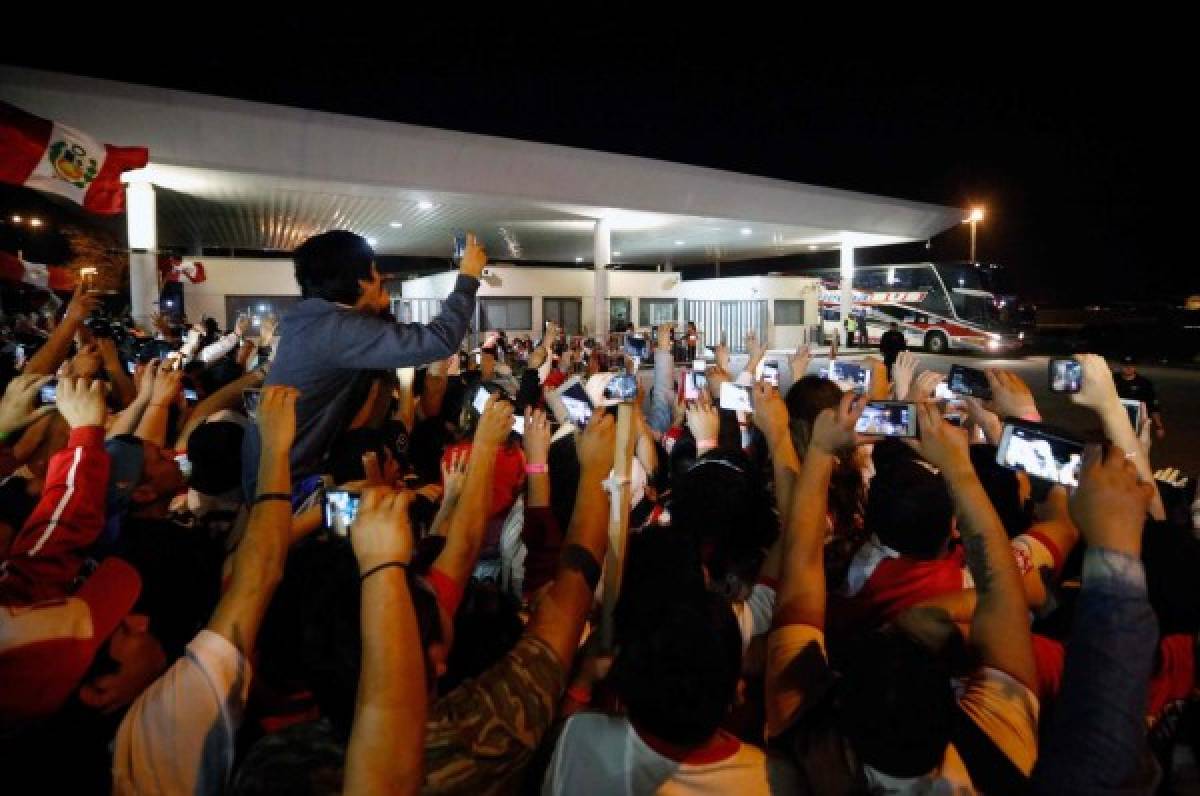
[(770, 373), (480, 403), (575, 400), (888, 419), (736, 397), (1040, 453)]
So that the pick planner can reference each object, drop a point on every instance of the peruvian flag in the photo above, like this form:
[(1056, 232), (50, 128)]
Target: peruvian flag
[(46, 277), (52, 157)]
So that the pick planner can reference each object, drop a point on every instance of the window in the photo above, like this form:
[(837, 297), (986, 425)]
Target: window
[(505, 313), (563, 311), (619, 314), (789, 312), (652, 312)]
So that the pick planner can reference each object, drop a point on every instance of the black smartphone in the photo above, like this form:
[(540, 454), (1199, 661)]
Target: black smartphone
[(341, 509), (859, 376), (969, 381), (575, 399), (190, 395), (459, 245), (250, 401), (48, 394), (1066, 375), (1040, 452), (888, 419), (636, 346)]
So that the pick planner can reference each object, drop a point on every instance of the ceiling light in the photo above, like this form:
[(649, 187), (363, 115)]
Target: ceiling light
[(678, 243), (425, 204), (372, 241), (578, 259), (16, 219), (616, 254), (813, 248), (747, 231), (395, 224), (35, 222)]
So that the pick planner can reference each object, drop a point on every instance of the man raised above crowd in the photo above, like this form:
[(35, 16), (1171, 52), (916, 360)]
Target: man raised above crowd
[(333, 342)]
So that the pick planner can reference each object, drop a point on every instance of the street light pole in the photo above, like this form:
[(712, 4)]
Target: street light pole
[(973, 219)]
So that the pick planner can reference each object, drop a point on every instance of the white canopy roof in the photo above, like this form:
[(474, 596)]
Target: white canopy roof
[(248, 175)]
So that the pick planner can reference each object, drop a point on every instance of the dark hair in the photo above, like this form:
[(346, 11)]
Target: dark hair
[(563, 462), (908, 507), (486, 627), (679, 676), (725, 507), (345, 455), (330, 265), (896, 703)]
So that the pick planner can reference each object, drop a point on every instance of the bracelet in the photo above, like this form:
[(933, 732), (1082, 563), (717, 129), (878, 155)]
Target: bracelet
[(284, 496), (537, 469), (580, 695), (398, 564)]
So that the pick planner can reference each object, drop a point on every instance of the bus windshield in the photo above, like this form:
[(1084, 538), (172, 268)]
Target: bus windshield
[(972, 293)]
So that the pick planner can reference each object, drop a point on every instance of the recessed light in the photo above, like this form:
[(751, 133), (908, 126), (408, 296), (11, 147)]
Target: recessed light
[(578, 259), (678, 243), (425, 204), (616, 254), (747, 231), (813, 248), (372, 241), (395, 224), (16, 219), (35, 222)]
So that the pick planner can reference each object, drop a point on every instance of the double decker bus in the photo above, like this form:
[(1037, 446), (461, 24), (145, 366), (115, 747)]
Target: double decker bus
[(939, 307)]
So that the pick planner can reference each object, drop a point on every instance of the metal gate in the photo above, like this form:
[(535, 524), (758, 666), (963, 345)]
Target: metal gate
[(728, 319)]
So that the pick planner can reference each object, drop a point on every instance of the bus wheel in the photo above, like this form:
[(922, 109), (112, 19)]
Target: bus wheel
[(936, 343)]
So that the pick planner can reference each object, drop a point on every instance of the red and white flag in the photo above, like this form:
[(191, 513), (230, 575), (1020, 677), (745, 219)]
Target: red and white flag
[(52, 157), (46, 277)]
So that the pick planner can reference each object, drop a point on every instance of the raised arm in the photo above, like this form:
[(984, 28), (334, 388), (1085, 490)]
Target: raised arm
[(259, 559), (662, 396), (1000, 625), (152, 427), (227, 397), (122, 385), (386, 752), (801, 597), (465, 535), (561, 613), (54, 352), (127, 421)]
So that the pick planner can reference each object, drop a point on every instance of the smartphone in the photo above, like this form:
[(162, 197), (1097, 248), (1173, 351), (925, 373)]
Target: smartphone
[(341, 509), (459, 245), (185, 465), (969, 381), (858, 377), (736, 397), (1136, 411), (770, 373), (48, 394), (694, 383), (89, 279), (1042, 453), (190, 395), (888, 419), (131, 367), (942, 392), (1066, 375), (575, 399), (635, 346), (250, 401), (620, 389)]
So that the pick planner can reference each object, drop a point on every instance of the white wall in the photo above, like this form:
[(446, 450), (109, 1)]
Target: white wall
[(234, 276), (539, 283)]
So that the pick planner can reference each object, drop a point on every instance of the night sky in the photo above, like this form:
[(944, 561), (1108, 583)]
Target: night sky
[(1073, 139)]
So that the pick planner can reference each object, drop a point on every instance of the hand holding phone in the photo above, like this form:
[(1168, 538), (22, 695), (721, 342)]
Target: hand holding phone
[(969, 381), (888, 419), (341, 510), (736, 397), (1040, 452), (770, 373), (1066, 375)]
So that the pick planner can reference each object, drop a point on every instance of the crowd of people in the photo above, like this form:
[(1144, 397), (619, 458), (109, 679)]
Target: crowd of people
[(313, 558)]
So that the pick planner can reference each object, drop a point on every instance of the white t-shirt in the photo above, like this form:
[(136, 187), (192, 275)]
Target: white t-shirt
[(601, 754), (178, 735)]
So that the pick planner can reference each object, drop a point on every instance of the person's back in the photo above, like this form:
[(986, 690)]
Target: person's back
[(892, 341), (330, 341)]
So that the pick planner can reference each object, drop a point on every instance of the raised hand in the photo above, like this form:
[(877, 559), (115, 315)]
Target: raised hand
[(1110, 505), (770, 412), (1011, 396), (495, 423), (800, 360), (454, 474), (704, 421), (596, 445), (382, 533), (82, 305), (926, 384), (754, 349), (903, 370), (168, 382), (81, 403), (833, 429), (16, 408), (940, 443), (664, 336), (474, 258), (537, 437), (1098, 391), (276, 418)]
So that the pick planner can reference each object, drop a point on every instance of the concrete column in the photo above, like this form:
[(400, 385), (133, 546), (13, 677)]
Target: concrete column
[(846, 263), (142, 222), (601, 257)]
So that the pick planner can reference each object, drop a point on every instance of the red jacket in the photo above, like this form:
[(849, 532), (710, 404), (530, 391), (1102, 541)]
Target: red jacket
[(46, 555)]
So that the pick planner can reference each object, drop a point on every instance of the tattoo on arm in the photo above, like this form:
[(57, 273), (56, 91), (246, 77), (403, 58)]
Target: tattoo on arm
[(978, 563)]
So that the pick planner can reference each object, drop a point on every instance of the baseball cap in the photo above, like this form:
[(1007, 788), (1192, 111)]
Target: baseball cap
[(46, 648)]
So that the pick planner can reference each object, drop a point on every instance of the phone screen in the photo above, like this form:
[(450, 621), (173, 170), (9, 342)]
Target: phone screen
[(888, 419), (458, 245), (48, 394), (855, 377), (635, 346), (1134, 410), (1066, 375), (250, 401), (579, 406), (190, 395), (1040, 453), (185, 465), (969, 381), (131, 367), (481, 399), (770, 373), (620, 389), (736, 397), (341, 509)]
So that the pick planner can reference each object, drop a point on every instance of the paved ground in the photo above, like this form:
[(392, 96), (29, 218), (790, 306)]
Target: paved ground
[(1178, 392)]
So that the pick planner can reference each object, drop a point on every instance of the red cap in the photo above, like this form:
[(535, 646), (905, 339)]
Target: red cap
[(46, 648)]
